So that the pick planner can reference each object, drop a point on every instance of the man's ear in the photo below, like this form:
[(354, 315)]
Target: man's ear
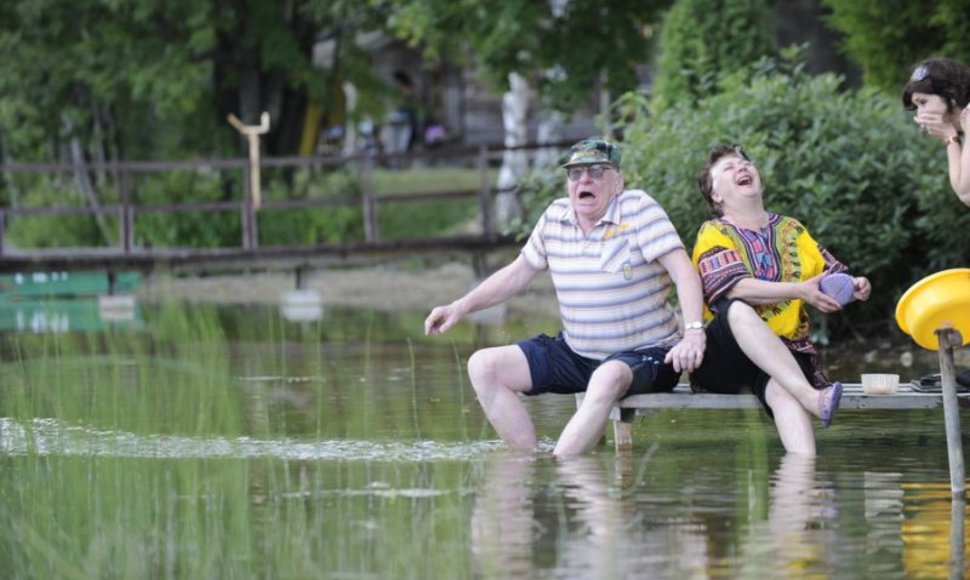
[(620, 182)]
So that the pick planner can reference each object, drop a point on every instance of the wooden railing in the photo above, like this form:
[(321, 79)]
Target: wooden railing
[(249, 254)]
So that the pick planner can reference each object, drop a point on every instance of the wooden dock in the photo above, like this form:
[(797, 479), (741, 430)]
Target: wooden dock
[(628, 409)]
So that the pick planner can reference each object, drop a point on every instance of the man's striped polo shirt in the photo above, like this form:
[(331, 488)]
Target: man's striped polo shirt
[(612, 291)]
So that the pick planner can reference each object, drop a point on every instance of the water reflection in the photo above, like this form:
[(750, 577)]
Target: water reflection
[(610, 535), (538, 517), (301, 305), (503, 522), (883, 509), (799, 532), (600, 532), (933, 531), (95, 313)]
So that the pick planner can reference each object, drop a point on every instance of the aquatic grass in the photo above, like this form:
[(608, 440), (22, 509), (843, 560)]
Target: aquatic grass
[(261, 448), (414, 391), (197, 518), (460, 387), (132, 381)]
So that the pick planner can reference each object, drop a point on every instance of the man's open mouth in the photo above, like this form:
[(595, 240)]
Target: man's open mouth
[(744, 180), (586, 195)]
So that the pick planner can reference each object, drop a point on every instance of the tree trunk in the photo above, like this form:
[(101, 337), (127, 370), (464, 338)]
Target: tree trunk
[(82, 181), (515, 104), (551, 130)]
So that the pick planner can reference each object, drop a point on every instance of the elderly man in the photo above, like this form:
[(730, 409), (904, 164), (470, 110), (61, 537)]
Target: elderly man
[(612, 254)]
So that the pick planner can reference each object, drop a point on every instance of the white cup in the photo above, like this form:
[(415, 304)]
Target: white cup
[(879, 383)]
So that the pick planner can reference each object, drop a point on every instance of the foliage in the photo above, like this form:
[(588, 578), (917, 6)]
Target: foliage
[(847, 164), (703, 39), (42, 231), (567, 46), (338, 223), (142, 79), (887, 37)]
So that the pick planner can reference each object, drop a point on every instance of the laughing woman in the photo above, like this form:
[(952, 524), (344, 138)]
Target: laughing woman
[(759, 270), (939, 92)]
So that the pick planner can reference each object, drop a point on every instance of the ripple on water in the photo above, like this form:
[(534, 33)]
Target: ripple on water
[(54, 437)]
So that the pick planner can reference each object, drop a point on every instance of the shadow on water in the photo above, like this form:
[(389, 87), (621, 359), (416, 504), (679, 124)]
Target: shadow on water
[(229, 441)]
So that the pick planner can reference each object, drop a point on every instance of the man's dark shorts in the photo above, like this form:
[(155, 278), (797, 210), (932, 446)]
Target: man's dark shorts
[(726, 369), (555, 368)]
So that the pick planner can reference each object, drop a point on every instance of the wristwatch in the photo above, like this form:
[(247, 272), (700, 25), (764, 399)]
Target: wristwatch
[(696, 325)]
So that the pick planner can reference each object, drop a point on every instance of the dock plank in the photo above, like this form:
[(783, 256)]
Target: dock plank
[(852, 398)]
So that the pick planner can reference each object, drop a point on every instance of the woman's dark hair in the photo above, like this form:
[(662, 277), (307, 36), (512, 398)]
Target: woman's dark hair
[(945, 77), (705, 181)]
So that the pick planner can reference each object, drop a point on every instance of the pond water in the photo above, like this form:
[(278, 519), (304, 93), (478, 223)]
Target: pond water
[(230, 442)]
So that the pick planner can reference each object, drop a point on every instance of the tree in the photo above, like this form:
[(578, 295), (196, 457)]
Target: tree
[(567, 50), (702, 40), (104, 80), (565, 47), (888, 37), (143, 79)]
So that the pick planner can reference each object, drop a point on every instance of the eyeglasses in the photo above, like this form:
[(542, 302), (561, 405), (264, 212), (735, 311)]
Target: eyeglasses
[(595, 171)]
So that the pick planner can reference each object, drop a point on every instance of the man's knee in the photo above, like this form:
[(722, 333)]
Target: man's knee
[(482, 366), (498, 366), (611, 380)]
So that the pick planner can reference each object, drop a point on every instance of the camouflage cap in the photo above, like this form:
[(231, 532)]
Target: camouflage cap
[(589, 151)]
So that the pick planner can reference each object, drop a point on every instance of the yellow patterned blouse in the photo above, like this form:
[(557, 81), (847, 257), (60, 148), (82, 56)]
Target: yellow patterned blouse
[(783, 251)]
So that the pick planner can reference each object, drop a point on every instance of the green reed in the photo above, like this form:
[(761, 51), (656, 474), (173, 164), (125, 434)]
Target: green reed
[(133, 455), (204, 448)]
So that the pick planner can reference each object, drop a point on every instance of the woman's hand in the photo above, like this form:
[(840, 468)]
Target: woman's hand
[(861, 288), (936, 125), (810, 292)]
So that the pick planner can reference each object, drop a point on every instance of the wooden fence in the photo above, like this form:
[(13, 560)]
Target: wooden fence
[(249, 254)]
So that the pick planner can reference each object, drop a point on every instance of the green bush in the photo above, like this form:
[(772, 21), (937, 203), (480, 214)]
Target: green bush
[(849, 165), (701, 39), (327, 224), (886, 38), (196, 229)]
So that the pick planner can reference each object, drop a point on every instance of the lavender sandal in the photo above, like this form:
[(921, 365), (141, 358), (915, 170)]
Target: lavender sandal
[(830, 403)]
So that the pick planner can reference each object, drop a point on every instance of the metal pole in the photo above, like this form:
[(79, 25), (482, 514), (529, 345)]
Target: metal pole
[(948, 339)]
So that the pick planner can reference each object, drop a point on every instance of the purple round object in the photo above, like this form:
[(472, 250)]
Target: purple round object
[(838, 286)]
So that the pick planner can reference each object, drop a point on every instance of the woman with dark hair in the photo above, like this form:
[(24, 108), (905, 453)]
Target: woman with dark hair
[(939, 92), (759, 271)]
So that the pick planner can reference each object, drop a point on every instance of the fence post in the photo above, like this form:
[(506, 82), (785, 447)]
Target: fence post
[(485, 195), (126, 215), (371, 226), (250, 232), (372, 231)]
